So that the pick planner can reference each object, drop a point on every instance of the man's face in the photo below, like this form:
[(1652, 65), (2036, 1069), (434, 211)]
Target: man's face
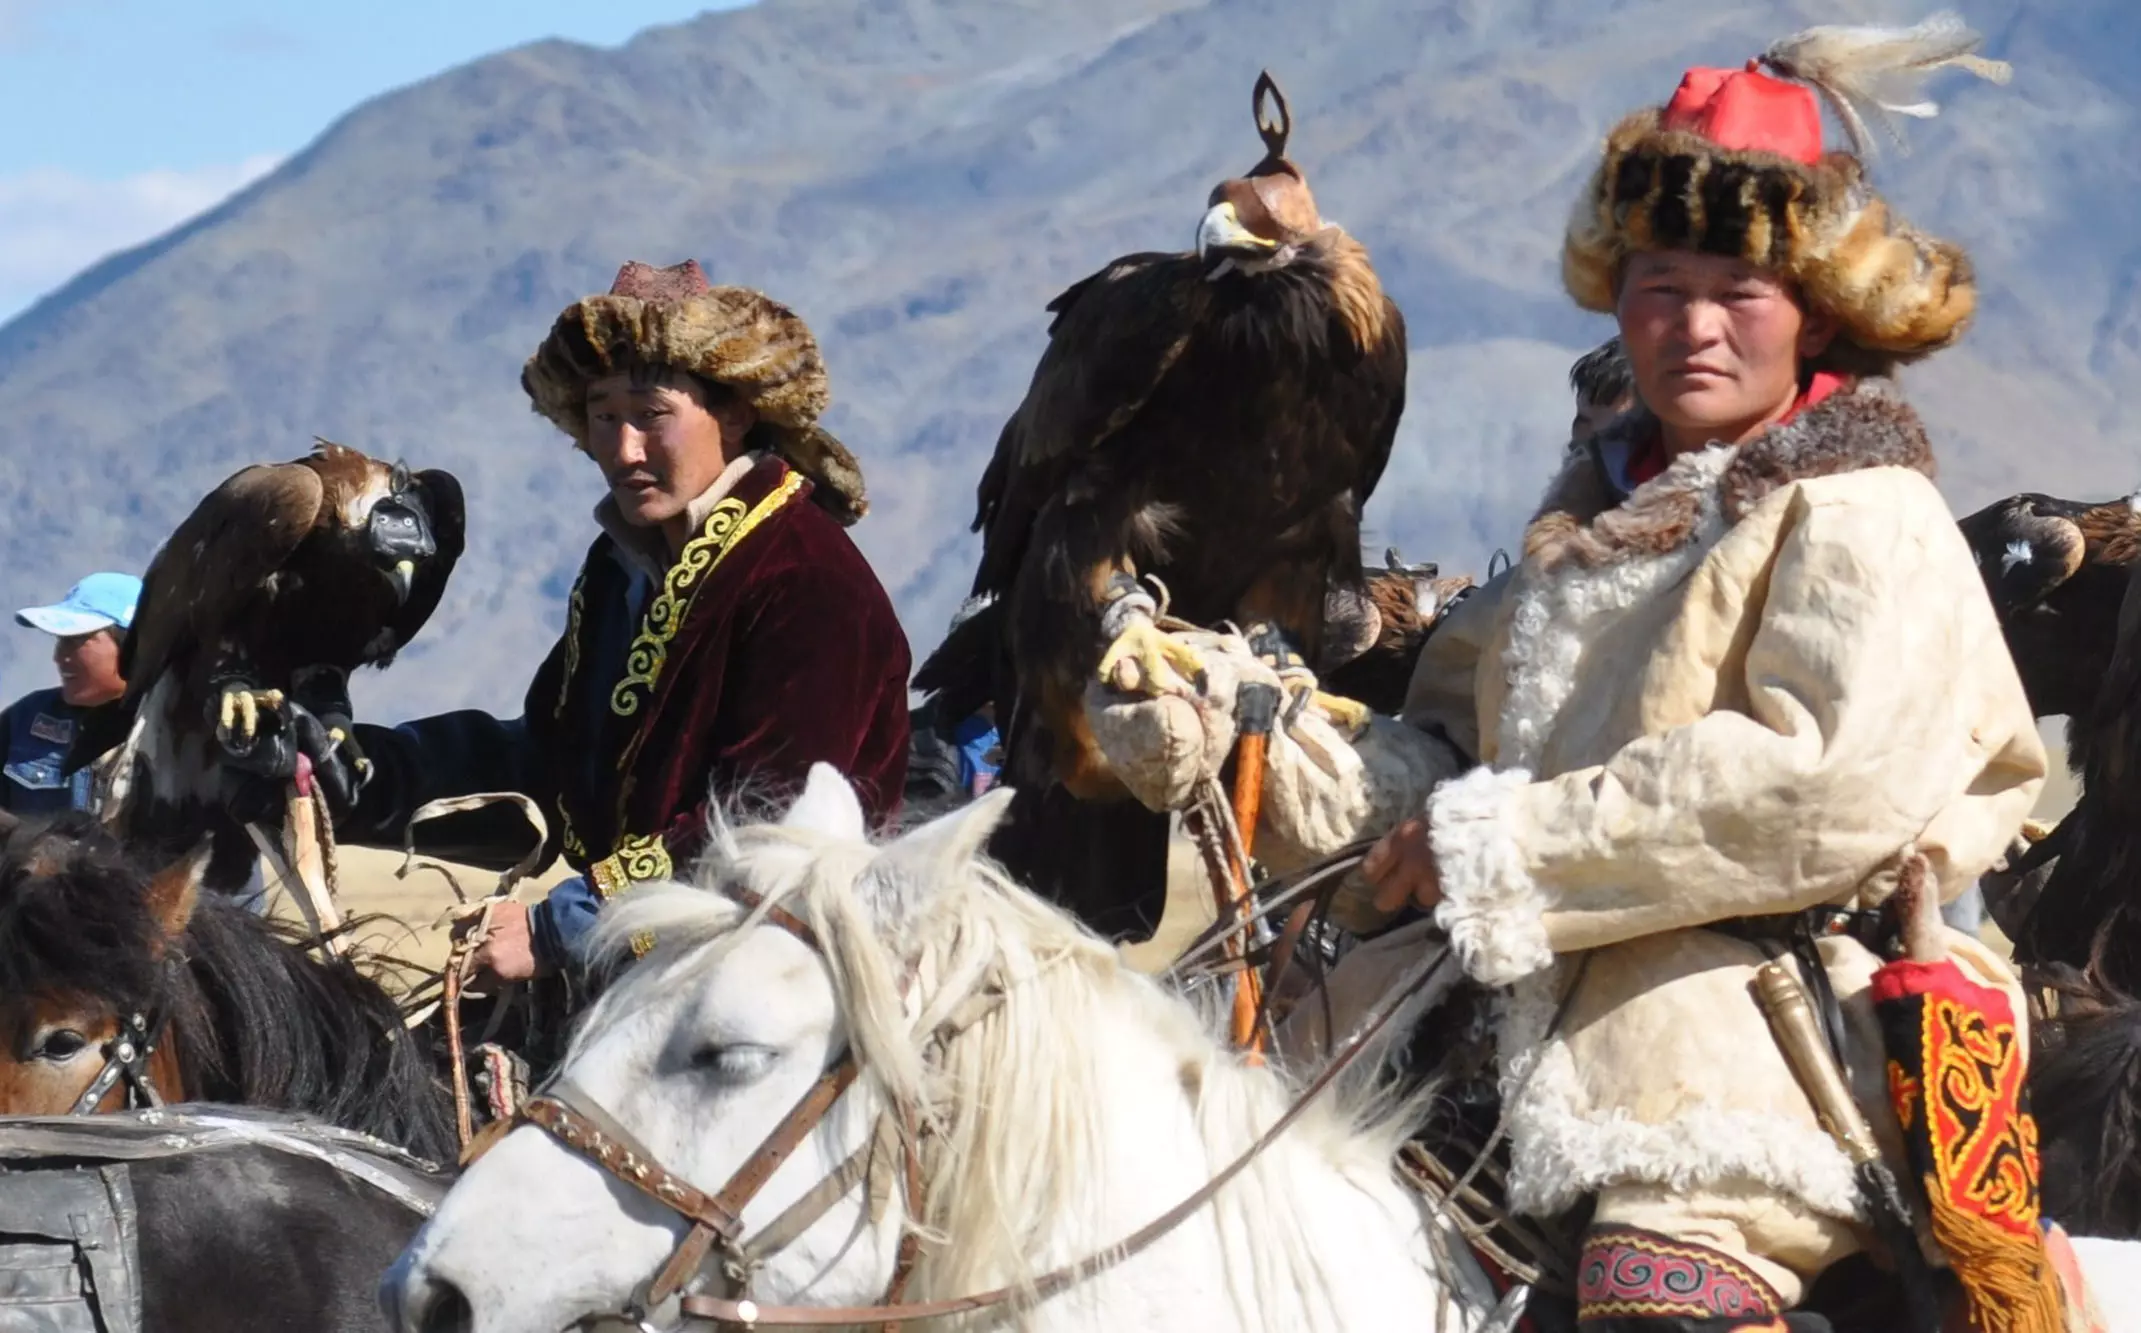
[(88, 668), (1715, 343), (659, 444)]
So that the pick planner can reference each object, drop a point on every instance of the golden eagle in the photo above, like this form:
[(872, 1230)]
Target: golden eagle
[(2056, 570), (1212, 420), (279, 583)]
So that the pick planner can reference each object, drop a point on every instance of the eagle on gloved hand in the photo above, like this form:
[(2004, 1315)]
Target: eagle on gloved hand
[(280, 582), (1210, 421)]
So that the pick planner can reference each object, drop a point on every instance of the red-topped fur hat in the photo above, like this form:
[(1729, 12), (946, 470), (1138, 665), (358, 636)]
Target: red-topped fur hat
[(733, 336), (1734, 164)]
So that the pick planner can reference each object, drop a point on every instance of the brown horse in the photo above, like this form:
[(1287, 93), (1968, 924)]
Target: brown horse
[(121, 988)]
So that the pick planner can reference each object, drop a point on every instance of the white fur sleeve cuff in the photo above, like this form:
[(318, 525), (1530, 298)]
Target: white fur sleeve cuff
[(1491, 907)]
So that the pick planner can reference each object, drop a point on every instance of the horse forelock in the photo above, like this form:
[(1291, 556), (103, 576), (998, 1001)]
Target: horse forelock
[(74, 921), (916, 928)]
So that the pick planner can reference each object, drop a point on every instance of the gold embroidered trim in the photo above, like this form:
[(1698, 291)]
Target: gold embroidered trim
[(574, 605), (728, 524), (639, 857)]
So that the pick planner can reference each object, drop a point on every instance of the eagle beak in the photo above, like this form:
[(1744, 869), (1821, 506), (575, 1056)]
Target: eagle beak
[(403, 577), (1222, 233)]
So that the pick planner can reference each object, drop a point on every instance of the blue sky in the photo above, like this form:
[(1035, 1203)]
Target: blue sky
[(127, 116)]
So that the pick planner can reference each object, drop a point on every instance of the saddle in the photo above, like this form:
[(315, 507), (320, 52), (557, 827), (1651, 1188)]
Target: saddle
[(69, 1236)]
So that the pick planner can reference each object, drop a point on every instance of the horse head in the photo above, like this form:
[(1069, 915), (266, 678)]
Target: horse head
[(88, 950), (697, 1050)]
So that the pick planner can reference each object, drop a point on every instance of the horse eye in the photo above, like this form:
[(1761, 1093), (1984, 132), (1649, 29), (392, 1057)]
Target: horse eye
[(60, 1044), (732, 1064)]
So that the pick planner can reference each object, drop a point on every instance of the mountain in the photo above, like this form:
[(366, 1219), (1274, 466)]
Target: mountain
[(918, 178)]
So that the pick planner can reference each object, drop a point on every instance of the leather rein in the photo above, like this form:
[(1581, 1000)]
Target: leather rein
[(575, 1120)]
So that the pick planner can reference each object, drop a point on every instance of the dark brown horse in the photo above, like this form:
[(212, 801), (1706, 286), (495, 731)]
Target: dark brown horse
[(122, 988)]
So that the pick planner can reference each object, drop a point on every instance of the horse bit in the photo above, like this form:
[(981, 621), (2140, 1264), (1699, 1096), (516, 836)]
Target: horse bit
[(126, 1056)]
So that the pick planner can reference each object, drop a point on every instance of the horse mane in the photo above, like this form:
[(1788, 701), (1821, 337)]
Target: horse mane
[(268, 1023), (1012, 1145), (2085, 1090)]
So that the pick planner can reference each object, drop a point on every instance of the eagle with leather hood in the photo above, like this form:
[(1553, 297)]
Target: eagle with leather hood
[(1209, 423), (282, 581)]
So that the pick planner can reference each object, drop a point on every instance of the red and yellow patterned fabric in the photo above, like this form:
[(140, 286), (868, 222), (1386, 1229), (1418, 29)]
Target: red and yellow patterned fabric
[(1629, 1273), (1955, 1069)]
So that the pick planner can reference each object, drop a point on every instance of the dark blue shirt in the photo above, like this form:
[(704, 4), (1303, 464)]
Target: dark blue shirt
[(39, 727)]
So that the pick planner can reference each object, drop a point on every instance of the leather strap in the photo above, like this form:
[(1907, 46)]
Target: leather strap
[(126, 1056)]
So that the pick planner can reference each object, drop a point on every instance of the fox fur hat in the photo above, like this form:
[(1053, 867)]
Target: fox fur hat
[(732, 336), (1734, 165)]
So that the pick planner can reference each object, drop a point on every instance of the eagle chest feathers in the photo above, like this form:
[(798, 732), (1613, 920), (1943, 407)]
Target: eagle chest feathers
[(1262, 440)]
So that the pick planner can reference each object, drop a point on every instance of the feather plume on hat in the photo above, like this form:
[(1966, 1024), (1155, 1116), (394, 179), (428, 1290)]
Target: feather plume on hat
[(1876, 74), (1734, 163)]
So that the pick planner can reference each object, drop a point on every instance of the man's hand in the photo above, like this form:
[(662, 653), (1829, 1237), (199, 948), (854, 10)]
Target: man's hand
[(1402, 869), (508, 949)]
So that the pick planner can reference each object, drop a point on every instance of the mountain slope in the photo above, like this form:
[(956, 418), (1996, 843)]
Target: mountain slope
[(918, 178)]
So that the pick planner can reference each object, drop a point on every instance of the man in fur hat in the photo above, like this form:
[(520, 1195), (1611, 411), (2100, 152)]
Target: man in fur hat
[(724, 633), (1743, 679)]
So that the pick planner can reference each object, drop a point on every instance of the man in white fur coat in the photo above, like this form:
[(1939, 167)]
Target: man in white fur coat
[(1744, 673)]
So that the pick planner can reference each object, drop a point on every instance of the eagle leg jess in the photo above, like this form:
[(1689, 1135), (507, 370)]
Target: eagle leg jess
[(1141, 658)]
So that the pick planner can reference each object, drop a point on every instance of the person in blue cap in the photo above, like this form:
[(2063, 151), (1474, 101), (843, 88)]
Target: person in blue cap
[(38, 727)]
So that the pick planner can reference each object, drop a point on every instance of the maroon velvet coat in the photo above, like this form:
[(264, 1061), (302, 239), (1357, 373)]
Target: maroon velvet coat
[(769, 646)]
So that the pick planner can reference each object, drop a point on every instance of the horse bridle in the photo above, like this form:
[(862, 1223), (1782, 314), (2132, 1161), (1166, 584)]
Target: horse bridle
[(126, 1056), (569, 1114), (577, 1121)]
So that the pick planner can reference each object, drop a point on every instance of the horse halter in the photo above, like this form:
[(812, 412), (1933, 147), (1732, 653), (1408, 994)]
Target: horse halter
[(575, 1119), (126, 1056)]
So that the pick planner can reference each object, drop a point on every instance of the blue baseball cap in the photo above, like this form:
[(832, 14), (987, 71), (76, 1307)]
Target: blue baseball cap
[(101, 601)]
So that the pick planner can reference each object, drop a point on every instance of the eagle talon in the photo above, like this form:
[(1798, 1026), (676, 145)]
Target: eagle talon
[(1349, 715), (238, 714), (1145, 659)]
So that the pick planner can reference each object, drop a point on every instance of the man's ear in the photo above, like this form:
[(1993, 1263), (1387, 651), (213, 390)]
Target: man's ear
[(737, 416), (1816, 333)]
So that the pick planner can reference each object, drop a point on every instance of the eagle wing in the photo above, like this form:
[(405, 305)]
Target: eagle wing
[(234, 539), (1114, 337)]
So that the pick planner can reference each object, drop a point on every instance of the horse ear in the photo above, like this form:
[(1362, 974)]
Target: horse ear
[(960, 835), (176, 890), (911, 867), (828, 805)]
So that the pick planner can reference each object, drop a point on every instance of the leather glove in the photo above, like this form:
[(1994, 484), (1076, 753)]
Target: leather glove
[(256, 772)]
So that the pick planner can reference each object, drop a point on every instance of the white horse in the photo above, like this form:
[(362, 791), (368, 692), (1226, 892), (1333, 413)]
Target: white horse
[(1072, 1113)]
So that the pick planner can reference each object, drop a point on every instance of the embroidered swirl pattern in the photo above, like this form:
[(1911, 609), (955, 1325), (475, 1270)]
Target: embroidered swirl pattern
[(650, 648), (639, 856), (1982, 1152), (1628, 1272), (729, 524)]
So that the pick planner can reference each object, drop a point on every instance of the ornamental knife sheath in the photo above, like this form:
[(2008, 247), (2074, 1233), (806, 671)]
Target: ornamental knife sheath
[(1791, 1018)]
